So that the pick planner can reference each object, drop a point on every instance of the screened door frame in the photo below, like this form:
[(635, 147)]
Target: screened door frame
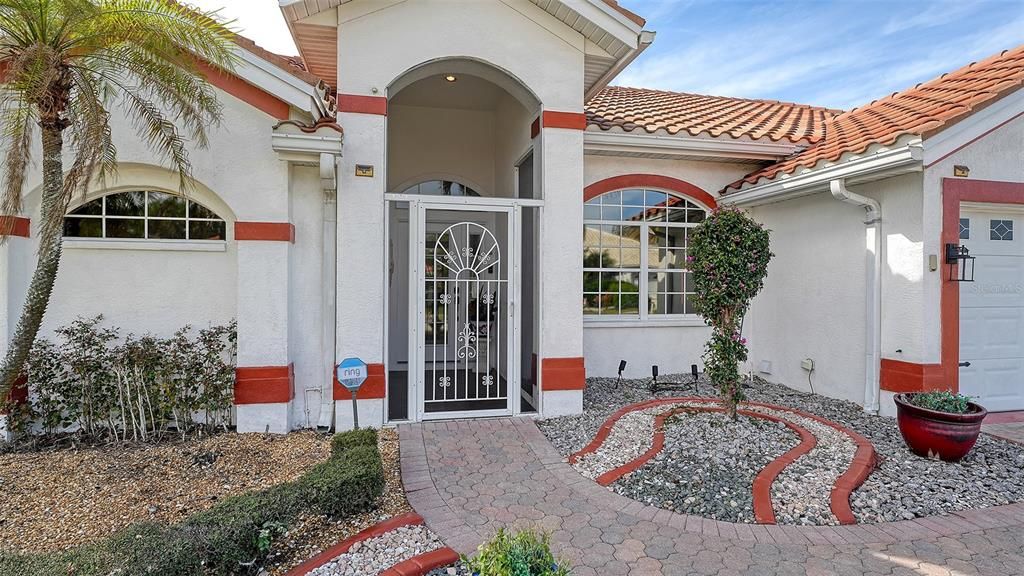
[(418, 207)]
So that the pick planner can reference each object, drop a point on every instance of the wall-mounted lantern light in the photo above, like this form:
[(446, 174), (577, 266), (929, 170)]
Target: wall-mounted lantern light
[(960, 262)]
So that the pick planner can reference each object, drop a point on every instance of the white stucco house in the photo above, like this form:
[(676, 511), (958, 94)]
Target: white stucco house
[(456, 195)]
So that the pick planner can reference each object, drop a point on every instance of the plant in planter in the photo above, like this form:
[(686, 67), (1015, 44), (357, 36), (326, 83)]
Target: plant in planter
[(940, 425)]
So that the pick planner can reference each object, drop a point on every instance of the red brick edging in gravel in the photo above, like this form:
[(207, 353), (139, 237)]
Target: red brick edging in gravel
[(861, 466), (415, 566)]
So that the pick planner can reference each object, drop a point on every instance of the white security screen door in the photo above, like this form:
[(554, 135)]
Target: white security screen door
[(463, 335), (992, 308)]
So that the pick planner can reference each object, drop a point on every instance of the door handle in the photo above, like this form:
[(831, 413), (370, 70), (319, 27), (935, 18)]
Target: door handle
[(965, 364)]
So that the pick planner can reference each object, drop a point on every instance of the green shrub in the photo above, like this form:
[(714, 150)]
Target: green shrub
[(233, 536), (728, 256), (347, 483), (944, 401), (104, 387), (362, 437), (527, 553)]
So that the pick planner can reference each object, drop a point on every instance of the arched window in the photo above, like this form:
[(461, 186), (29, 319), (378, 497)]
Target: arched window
[(144, 214), (441, 188), (634, 254)]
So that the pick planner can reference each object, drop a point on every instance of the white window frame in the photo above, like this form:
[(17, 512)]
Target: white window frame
[(644, 318), (145, 243)]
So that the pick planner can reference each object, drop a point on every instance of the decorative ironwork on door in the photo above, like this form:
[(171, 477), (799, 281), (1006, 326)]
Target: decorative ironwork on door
[(466, 297)]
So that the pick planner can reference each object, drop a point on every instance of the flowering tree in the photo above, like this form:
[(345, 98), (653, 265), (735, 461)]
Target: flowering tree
[(728, 256)]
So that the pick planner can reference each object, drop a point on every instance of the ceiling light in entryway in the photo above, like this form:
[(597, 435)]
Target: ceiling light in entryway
[(450, 77)]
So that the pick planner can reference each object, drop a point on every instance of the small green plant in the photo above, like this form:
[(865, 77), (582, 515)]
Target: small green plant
[(525, 553), (266, 535), (942, 401)]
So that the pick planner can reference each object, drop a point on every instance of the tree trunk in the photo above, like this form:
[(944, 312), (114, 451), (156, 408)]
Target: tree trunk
[(38, 297)]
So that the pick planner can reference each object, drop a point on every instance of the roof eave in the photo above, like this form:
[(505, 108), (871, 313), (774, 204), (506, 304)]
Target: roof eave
[(595, 141), (275, 81), (644, 39), (884, 163)]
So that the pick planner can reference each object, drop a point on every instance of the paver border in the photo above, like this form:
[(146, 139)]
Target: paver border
[(415, 566), (861, 465)]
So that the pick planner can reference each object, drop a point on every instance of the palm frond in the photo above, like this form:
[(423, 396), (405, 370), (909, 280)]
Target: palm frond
[(17, 118)]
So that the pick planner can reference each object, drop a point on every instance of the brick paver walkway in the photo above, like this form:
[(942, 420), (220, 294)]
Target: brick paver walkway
[(468, 478), (1008, 425)]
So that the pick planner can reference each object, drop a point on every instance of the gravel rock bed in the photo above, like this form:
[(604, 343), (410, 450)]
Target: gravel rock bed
[(630, 437), (457, 569), (375, 555), (801, 493), (904, 486), (708, 465), (60, 498), (314, 533)]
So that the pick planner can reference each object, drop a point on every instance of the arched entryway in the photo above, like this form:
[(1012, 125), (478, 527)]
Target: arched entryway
[(462, 220)]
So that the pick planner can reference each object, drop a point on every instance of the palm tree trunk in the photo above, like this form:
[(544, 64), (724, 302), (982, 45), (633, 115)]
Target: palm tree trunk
[(52, 207)]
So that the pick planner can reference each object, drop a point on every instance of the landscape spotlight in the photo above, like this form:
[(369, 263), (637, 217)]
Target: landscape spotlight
[(622, 367)]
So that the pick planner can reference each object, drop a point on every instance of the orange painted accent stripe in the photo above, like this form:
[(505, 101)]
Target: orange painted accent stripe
[(955, 191), (17, 396), (269, 231), (535, 128), (264, 384), (563, 374), (371, 389), (650, 181), (900, 376), (244, 91), (566, 120), (14, 226), (357, 104)]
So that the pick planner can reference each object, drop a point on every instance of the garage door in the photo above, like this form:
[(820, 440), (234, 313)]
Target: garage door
[(992, 308)]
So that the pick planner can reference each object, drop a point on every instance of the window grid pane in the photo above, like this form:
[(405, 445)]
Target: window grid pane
[(617, 269), (140, 214)]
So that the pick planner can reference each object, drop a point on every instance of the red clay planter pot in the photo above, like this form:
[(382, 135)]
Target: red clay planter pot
[(931, 433)]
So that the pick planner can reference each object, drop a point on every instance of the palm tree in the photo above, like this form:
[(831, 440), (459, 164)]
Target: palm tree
[(62, 63)]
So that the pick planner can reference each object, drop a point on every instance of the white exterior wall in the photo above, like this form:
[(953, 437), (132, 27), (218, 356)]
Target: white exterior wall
[(997, 155), (361, 252), (544, 54), (673, 347), (313, 376), (813, 303), (546, 57), (155, 289)]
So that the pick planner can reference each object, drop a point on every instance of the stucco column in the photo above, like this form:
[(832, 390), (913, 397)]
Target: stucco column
[(362, 259), (561, 254), (15, 273), (264, 386)]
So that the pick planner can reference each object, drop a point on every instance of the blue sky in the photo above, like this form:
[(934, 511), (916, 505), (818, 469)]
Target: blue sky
[(828, 53)]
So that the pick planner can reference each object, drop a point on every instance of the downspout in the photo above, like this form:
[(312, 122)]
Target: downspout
[(328, 283), (873, 288)]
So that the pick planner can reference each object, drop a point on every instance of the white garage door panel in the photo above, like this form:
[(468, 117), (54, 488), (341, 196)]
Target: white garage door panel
[(992, 311)]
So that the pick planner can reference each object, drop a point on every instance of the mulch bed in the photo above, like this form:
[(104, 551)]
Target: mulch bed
[(60, 498)]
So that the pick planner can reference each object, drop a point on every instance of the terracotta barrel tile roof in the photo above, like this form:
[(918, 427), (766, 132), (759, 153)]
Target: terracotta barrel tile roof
[(922, 111), (675, 112)]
